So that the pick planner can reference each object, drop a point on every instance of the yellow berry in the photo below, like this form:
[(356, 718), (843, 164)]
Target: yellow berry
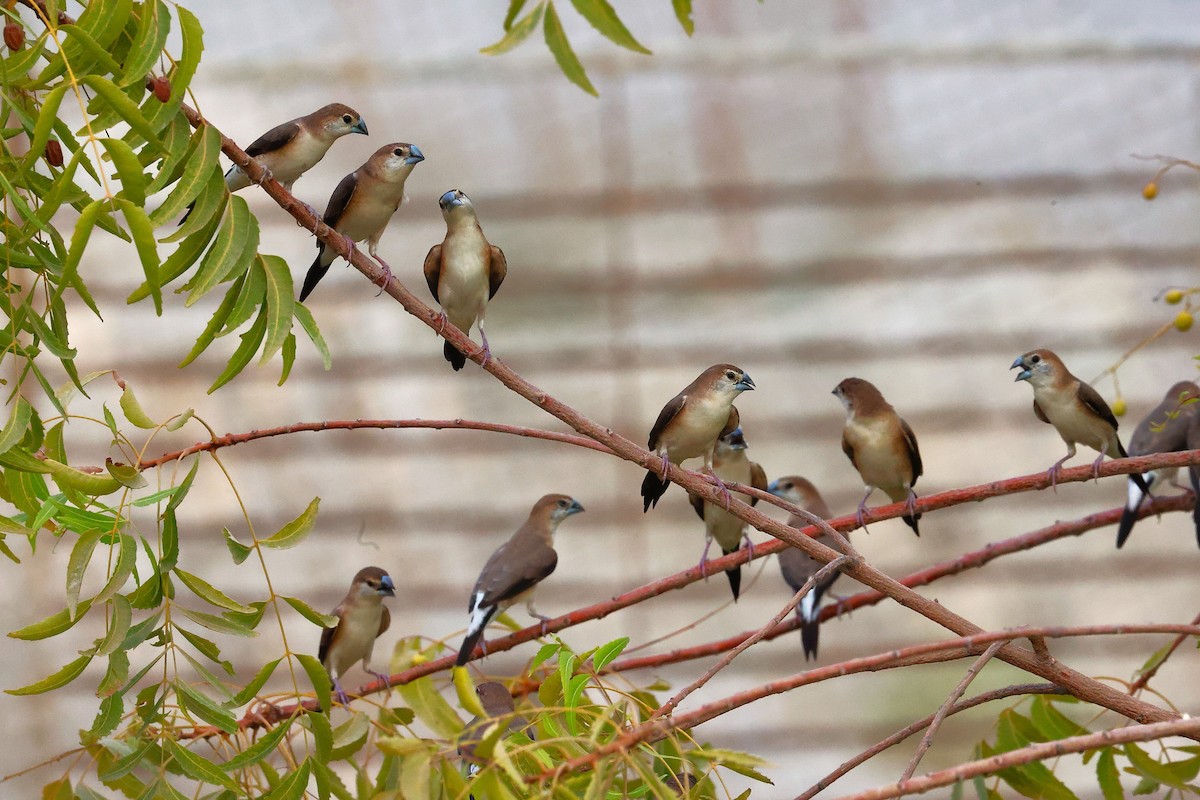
[(1173, 297), (419, 658), (1183, 321), (1119, 408), (1150, 190)]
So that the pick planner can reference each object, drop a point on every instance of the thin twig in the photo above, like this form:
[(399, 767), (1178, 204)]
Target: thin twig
[(901, 735), (820, 575), (1145, 677), (1026, 755), (944, 710)]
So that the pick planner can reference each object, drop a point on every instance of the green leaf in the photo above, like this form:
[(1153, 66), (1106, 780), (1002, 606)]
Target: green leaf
[(56, 681), (215, 322), (318, 677), (239, 551), (133, 410), (215, 623), (129, 169), (431, 708), (198, 768), (118, 626), (88, 483), (250, 690), (154, 23), (416, 775), (518, 32), (568, 62), (200, 161), (45, 125), (249, 300), (116, 674), (189, 56), (683, 13), (1108, 776), (288, 357), (142, 231), (293, 786), (93, 48), (128, 475), (309, 324), (604, 19), (311, 614), (605, 654), (77, 564), (205, 708), (1053, 723), (126, 560), (54, 624), (281, 301), (125, 107), (261, 748), (207, 209), (112, 708), (1148, 767), (17, 424), (209, 593), (295, 531), (514, 8), (244, 352), (351, 735), (231, 253), (79, 239), (322, 733)]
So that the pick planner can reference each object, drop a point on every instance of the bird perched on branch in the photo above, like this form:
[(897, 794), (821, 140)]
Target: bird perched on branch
[(289, 150), (1075, 409), (1193, 443), (498, 706), (796, 565), (690, 424), (1164, 430), (362, 618), (881, 447), (516, 568), (362, 205), (464, 272), (729, 464)]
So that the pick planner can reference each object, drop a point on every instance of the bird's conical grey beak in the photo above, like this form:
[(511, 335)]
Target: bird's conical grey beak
[(1024, 374), (386, 587), (574, 508), (773, 488), (360, 127), (745, 384), (736, 439), (415, 156)]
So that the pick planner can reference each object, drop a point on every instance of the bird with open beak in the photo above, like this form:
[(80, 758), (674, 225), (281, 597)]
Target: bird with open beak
[(362, 618)]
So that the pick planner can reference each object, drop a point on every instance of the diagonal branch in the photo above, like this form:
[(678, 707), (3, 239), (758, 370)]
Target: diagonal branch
[(944, 710), (901, 735), (1145, 677), (1026, 755)]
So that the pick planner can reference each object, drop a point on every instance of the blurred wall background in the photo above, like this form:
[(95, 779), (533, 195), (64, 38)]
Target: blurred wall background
[(914, 193)]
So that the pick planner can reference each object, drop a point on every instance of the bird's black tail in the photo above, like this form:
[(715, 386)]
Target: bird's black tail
[(912, 522), (1129, 515), (456, 359), (810, 637), (186, 214), (315, 273), (735, 576), (473, 637), (1136, 477), (1194, 473), (653, 487)]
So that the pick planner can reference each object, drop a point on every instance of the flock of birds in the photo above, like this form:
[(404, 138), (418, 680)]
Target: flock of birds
[(465, 271)]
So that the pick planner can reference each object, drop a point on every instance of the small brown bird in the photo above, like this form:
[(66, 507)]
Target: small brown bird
[(690, 424), (729, 464), (362, 205), (464, 272), (1075, 409), (1193, 443), (497, 706), (1164, 430), (362, 618), (880, 445), (516, 568), (289, 150), (797, 566)]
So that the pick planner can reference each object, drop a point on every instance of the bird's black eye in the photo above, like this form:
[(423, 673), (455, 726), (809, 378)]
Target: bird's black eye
[(1034, 359), (730, 374), (398, 152), (346, 118), (562, 503)]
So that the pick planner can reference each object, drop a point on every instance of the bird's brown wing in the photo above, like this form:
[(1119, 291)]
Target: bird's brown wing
[(340, 199), (697, 504), (668, 413), (758, 479), (497, 272), (385, 620), (1092, 400), (731, 422), (848, 449), (327, 636), (914, 453), (519, 565), (433, 270), (1037, 410), (274, 139)]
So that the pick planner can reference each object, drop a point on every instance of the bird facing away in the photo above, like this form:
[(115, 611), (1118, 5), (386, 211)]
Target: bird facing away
[(1075, 409), (1164, 430), (361, 206), (690, 424), (516, 568), (729, 464), (362, 618), (796, 565), (464, 272), (880, 445), (1193, 443), (497, 706), (289, 150)]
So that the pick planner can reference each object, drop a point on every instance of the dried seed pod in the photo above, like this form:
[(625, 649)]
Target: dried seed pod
[(54, 155), (162, 89), (14, 36)]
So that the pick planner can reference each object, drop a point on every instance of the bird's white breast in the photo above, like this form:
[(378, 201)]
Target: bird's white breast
[(702, 420), (721, 525), (356, 636), (879, 452), (463, 283), (1073, 422)]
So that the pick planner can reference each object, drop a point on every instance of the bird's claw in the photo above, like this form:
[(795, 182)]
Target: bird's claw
[(381, 676), (266, 175), (340, 693), (486, 349), (442, 319), (1096, 468), (749, 546), (385, 278), (720, 484)]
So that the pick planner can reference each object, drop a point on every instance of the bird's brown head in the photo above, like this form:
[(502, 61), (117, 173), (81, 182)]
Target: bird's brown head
[(796, 490), (556, 508), (338, 119), (732, 441), (1039, 367), (860, 397), (394, 161), (373, 581), (495, 698), (725, 380)]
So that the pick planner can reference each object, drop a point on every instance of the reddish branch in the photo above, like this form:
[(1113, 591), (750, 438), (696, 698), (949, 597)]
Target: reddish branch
[(656, 729), (1145, 677), (921, 724), (1026, 755)]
